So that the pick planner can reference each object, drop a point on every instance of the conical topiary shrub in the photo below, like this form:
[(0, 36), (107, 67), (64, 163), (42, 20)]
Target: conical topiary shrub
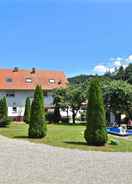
[(27, 111), (4, 120), (95, 133), (37, 125)]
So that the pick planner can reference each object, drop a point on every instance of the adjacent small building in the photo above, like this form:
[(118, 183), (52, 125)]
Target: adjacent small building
[(18, 84)]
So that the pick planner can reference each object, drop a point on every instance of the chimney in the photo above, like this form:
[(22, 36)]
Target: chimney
[(33, 70), (60, 82), (15, 69)]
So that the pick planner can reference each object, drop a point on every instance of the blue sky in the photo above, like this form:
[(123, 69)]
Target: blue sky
[(76, 36)]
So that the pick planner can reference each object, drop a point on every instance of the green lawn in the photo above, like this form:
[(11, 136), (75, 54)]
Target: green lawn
[(67, 136)]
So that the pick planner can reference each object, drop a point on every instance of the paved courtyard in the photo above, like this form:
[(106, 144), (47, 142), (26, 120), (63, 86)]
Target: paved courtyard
[(22, 162)]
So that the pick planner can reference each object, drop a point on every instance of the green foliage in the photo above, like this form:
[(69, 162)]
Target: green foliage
[(71, 97), (95, 133), (27, 111), (118, 96), (75, 97), (37, 125), (4, 120), (120, 74), (82, 79), (114, 142), (5, 108), (79, 79), (59, 97)]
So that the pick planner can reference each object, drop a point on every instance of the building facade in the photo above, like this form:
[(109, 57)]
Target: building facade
[(17, 84)]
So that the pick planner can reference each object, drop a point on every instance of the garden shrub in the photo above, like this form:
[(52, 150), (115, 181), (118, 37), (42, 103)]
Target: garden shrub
[(114, 142), (4, 119), (27, 111), (95, 133), (37, 124)]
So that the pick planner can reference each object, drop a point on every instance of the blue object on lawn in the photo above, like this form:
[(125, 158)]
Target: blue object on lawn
[(116, 131)]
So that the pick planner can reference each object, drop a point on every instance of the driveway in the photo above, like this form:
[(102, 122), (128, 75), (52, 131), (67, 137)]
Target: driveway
[(22, 162)]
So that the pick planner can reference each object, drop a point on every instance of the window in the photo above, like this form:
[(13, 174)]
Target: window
[(14, 109), (51, 81), (10, 95), (8, 79), (28, 80)]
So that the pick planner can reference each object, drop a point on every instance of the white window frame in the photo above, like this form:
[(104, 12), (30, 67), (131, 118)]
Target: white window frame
[(52, 81), (28, 80)]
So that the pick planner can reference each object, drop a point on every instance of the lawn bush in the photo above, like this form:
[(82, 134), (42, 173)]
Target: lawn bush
[(95, 133), (114, 142), (4, 119), (37, 125), (27, 111)]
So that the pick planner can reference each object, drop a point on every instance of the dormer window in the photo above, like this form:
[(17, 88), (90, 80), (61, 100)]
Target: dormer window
[(8, 79), (28, 80), (52, 81)]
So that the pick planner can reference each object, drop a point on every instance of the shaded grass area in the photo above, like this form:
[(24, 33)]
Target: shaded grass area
[(67, 136)]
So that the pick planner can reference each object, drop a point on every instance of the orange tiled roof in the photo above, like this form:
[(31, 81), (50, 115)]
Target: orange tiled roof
[(40, 77)]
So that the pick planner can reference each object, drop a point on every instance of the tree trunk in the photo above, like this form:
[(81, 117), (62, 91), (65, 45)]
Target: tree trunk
[(67, 114), (73, 117), (118, 118), (57, 115)]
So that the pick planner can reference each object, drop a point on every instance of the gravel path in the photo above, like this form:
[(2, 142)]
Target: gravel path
[(22, 162)]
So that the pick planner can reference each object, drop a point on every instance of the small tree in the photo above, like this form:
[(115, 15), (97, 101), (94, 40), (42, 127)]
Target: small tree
[(37, 125), (27, 111), (95, 133), (75, 98), (59, 103), (4, 120)]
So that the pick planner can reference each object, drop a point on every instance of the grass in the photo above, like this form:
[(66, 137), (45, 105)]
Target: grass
[(67, 136)]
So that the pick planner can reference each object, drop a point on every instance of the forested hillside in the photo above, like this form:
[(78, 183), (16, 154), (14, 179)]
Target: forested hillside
[(124, 74)]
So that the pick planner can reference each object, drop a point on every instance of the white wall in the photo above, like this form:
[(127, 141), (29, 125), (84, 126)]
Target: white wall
[(19, 100)]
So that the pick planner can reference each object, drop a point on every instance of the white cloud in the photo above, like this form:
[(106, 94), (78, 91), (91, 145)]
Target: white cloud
[(100, 69), (114, 63), (117, 63), (125, 65), (116, 59), (112, 69), (130, 58)]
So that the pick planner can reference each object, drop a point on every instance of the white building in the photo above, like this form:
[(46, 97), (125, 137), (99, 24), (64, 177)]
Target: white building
[(18, 84)]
